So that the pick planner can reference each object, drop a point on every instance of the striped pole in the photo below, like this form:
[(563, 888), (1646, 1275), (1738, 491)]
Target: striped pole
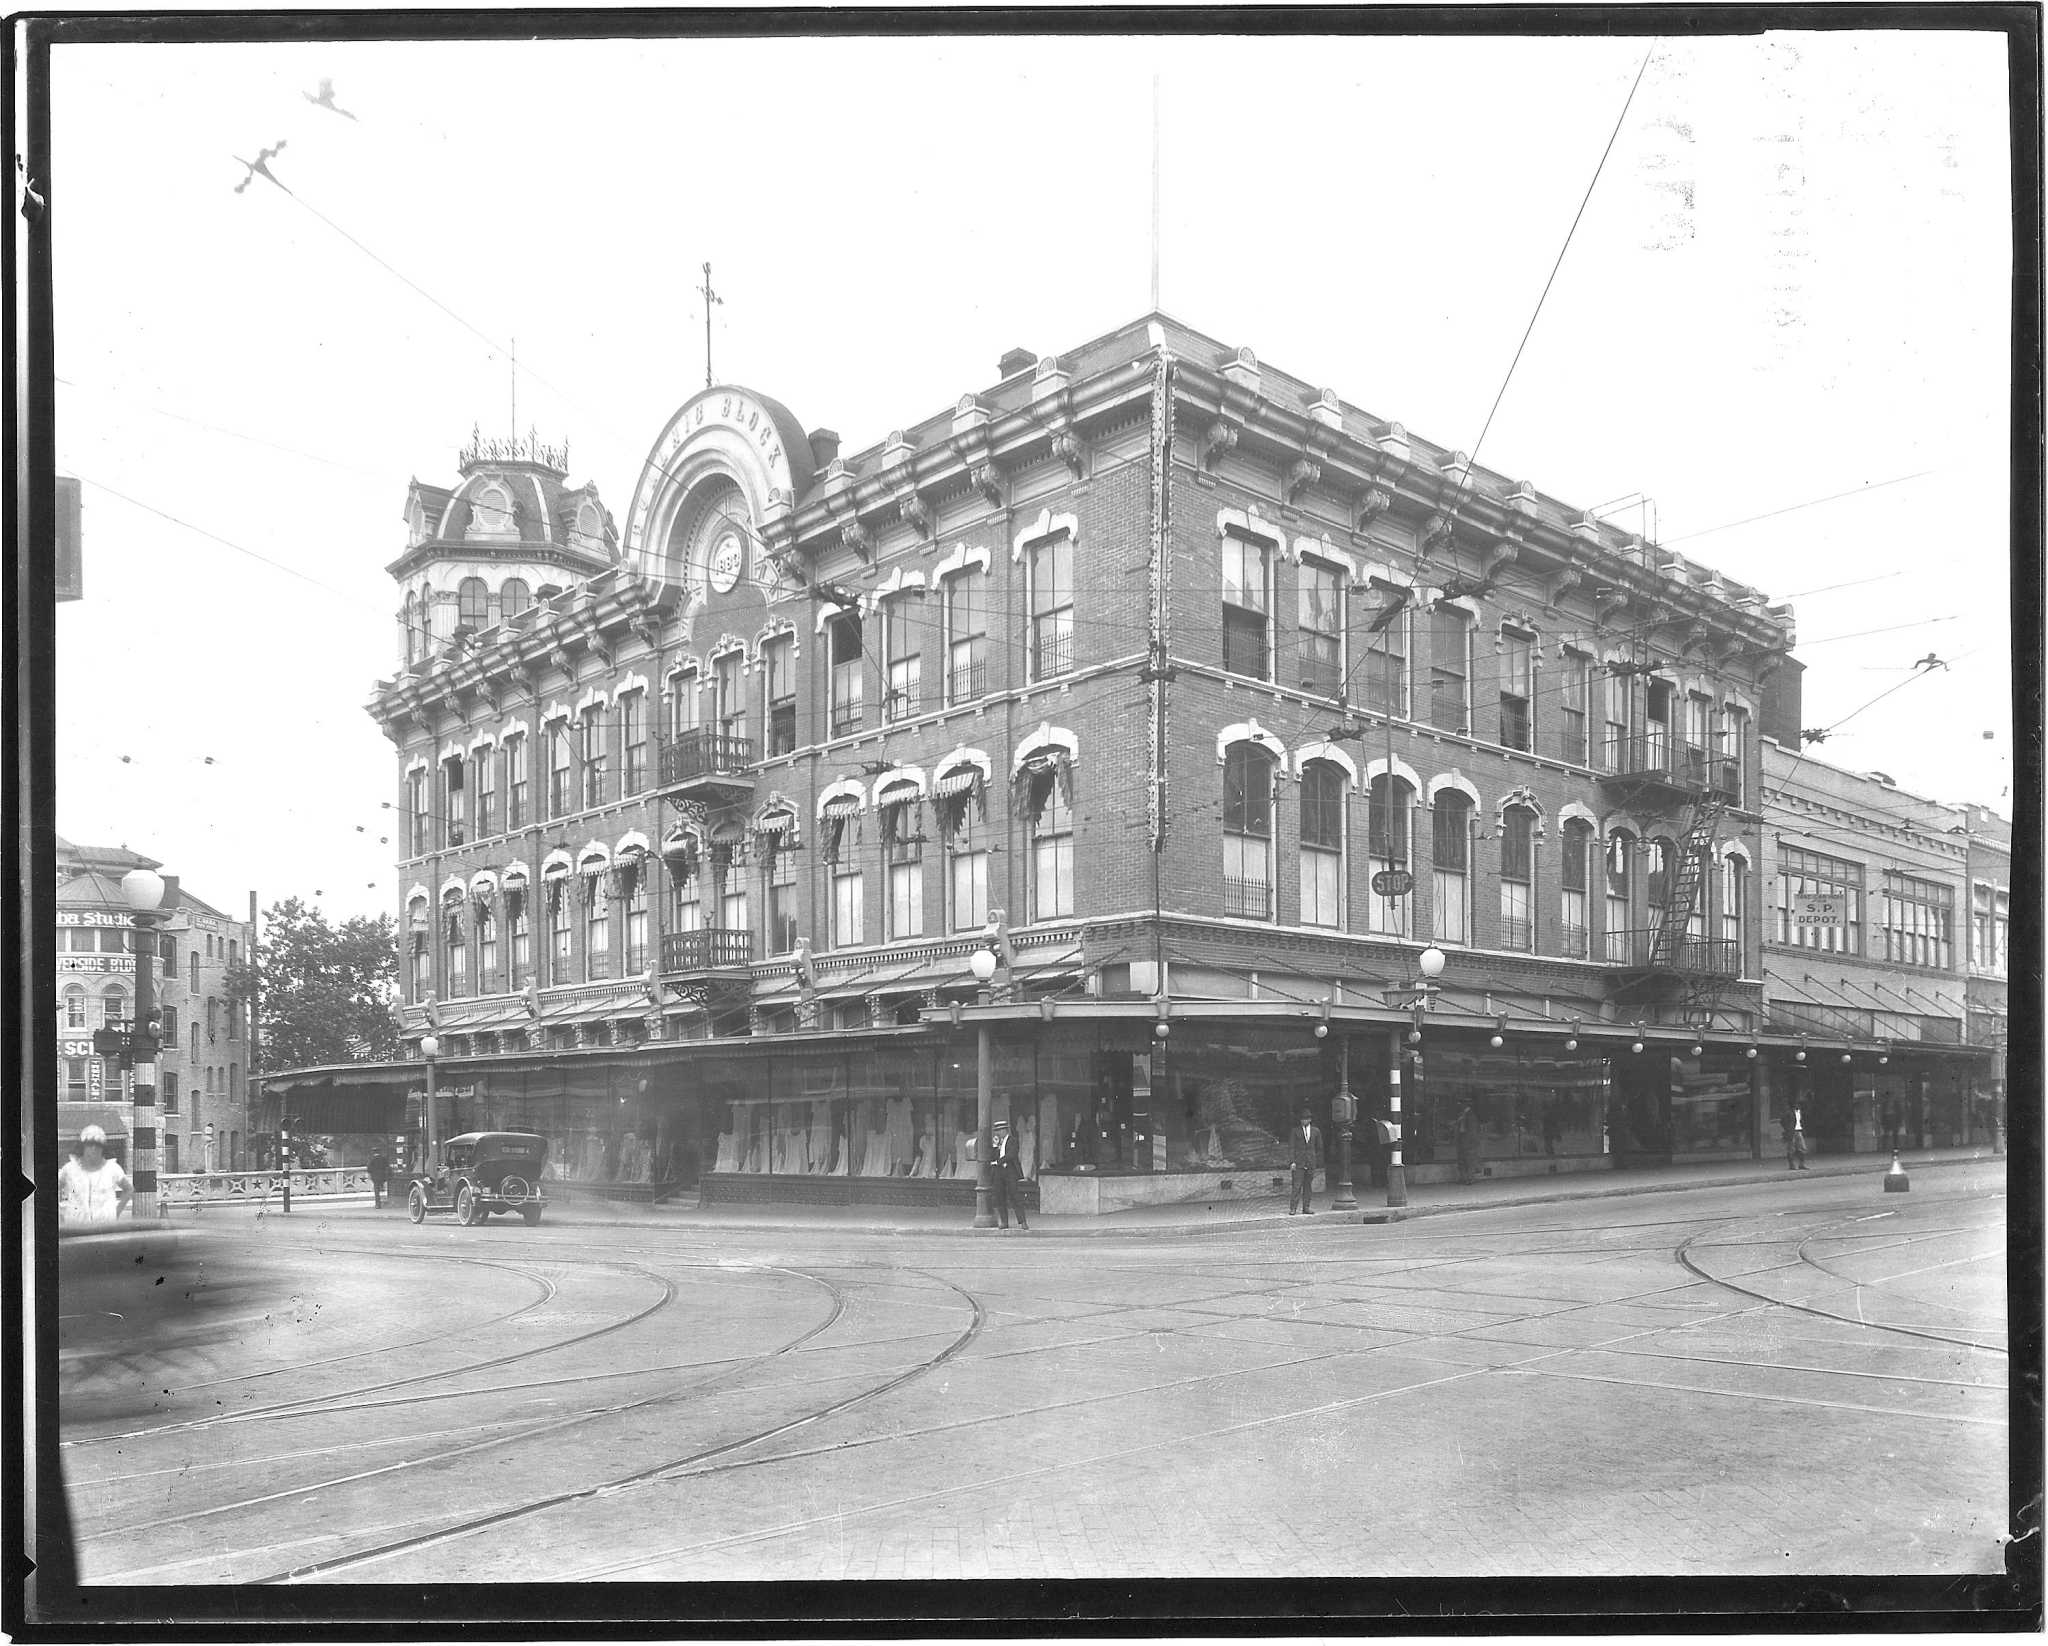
[(1397, 1176)]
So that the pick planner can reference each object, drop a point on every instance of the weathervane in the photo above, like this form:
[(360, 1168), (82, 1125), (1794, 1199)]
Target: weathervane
[(710, 297)]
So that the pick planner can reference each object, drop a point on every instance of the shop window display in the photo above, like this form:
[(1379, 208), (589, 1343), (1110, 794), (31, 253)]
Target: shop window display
[(1532, 1103)]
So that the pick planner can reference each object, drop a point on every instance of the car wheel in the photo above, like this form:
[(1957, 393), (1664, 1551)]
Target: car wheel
[(416, 1204), (531, 1214), (465, 1205)]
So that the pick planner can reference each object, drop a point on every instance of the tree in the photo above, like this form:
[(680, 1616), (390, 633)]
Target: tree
[(326, 993)]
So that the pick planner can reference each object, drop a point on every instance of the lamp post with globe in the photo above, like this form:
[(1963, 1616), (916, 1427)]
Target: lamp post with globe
[(143, 891), (983, 964), (1431, 964), (430, 1048)]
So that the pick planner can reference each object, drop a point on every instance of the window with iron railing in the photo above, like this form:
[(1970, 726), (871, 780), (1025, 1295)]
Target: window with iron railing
[(597, 927), (1450, 669), (593, 755), (515, 781), (633, 740), (560, 956), (1517, 868), (966, 633), (1322, 844), (1320, 633), (1517, 688), (486, 784), (559, 793), (1247, 605), (454, 798), (845, 654), (779, 660), (1051, 574), (1451, 865), (1247, 831), (1573, 694)]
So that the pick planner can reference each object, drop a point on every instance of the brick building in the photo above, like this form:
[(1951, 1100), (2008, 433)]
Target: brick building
[(202, 1117), (1202, 698), (1884, 955)]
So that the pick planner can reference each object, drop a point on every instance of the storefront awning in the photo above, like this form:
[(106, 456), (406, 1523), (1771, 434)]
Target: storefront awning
[(960, 780)]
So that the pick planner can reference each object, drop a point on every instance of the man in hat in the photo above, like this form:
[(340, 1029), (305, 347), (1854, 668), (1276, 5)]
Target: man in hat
[(90, 1187), (1306, 1142), (1005, 1168)]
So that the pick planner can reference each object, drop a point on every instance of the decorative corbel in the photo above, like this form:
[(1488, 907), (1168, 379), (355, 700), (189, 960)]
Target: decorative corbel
[(1504, 553), (1217, 439), (857, 538), (988, 480), (1698, 637), (1067, 447), (1436, 530), (647, 626), (1606, 603), (1371, 506), (603, 647), (917, 513), (1302, 473), (1570, 577), (563, 659)]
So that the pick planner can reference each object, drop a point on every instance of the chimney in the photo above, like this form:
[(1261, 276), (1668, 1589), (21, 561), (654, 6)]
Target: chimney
[(1779, 713), (1014, 361), (824, 448)]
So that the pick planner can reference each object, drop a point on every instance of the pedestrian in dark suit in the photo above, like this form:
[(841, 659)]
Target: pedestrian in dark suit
[(380, 1173), (1005, 1170), (1306, 1144)]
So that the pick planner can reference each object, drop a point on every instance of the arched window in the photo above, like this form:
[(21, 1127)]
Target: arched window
[(416, 949), (74, 1007), (513, 598), (1574, 860), (1517, 876), (1658, 882), (1322, 843), (168, 1031), (844, 650), (1734, 888), (234, 1081), (1450, 856), (456, 938), (1621, 849), (472, 604), (597, 924), (1388, 812), (1248, 831), (409, 620), (114, 1006), (212, 1018), (195, 971)]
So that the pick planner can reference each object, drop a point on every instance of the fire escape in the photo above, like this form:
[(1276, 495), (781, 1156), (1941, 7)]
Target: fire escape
[(704, 783), (1657, 774)]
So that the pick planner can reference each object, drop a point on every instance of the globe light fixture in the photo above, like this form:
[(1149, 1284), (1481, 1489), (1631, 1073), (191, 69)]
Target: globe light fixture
[(142, 890), (1699, 1050), (1322, 1031), (1431, 960), (1750, 1054), (1161, 1030), (1636, 1046), (983, 964)]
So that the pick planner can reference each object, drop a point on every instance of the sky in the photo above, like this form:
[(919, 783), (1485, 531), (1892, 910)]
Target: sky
[(1777, 341)]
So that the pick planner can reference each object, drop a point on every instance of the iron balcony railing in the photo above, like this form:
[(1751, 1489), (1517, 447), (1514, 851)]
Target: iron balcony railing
[(700, 753), (1692, 956), (707, 949), (1252, 899), (1671, 761)]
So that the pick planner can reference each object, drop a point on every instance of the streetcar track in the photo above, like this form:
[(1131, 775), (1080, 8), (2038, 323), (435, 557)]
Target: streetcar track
[(548, 1426), (1684, 1256), (500, 1517), (344, 1399)]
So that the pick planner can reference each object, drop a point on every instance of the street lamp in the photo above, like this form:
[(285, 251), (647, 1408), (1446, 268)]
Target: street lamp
[(143, 891), (430, 1048), (1343, 1110), (983, 964), (1431, 964)]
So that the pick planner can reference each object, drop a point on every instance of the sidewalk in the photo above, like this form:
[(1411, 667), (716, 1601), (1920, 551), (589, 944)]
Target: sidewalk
[(1194, 1218)]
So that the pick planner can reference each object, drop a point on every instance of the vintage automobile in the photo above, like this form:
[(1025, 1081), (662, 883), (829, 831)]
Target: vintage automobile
[(480, 1173)]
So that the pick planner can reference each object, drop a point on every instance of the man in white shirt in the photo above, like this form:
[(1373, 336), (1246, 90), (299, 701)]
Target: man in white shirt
[(90, 1187)]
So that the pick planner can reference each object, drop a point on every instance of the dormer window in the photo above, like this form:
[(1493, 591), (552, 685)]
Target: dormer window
[(490, 512)]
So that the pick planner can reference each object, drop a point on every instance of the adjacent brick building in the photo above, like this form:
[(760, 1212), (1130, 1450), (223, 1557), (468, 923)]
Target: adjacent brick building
[(202, 1113), (1203, 698)]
